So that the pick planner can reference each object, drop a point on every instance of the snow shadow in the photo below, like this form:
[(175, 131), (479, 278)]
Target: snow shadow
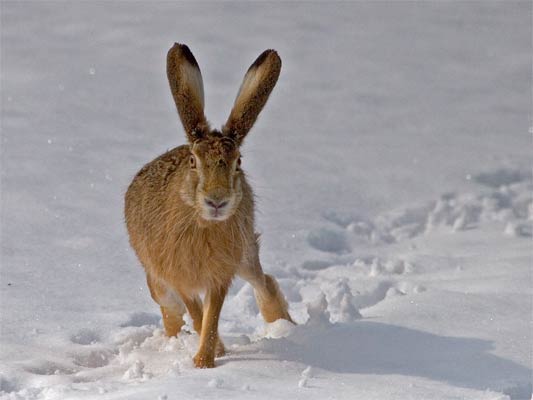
[(375, 348)]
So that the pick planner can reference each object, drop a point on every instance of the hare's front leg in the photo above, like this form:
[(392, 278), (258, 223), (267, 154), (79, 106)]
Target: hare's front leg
[(194, 306), (214, 299)]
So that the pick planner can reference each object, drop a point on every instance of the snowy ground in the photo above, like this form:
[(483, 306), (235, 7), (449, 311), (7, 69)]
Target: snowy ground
[(392, 168)]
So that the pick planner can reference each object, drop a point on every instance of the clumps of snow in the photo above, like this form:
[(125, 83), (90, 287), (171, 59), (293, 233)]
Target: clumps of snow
[(340, 301), (136, 372), (279, 329), (347, 310), (507, 199), (398, 267), (302, 383), (393, 292), (378, 267), (175, 369), (507, 203), (318, 312), (401, 224), (306, 375), (215, 383), (308, 372), (519, 228)]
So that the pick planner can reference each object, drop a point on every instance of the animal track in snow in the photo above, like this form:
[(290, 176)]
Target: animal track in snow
[(328, 240), (139, 319), (316, 265), (8, 385), (93, 359), (85, 337), (49, 368), (506, 199), (502, 176)]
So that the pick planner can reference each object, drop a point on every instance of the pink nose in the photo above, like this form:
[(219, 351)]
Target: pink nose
[(216, 204)]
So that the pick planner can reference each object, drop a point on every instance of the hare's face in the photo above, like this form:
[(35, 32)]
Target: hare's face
[(215, 168), (213, 184)]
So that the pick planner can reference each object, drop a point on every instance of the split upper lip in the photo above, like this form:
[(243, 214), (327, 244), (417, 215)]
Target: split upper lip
[(216, 205)]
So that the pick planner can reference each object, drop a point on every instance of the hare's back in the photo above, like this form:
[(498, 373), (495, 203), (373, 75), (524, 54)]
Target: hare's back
[(159, 170)]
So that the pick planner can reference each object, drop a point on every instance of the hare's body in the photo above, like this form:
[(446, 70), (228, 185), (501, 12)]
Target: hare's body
[(173, 244), (190, 212)]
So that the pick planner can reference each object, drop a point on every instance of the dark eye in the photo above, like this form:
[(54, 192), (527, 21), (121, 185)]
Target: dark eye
[(192, 162), (238, 162)]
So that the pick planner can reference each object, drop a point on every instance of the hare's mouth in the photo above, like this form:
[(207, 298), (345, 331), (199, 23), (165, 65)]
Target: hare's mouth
[(216, 211)]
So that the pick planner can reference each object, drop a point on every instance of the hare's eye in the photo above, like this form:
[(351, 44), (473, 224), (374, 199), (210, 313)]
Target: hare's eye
[(192, 161), (238, 162)]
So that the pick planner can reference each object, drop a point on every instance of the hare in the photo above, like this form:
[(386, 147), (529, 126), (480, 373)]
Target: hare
[(190, 212)]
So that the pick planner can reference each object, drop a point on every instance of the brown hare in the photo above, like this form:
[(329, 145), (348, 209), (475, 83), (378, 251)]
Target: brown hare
[(190, 212)]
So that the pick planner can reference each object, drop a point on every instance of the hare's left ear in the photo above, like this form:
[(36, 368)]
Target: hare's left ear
[(253, 94), (187, 88)]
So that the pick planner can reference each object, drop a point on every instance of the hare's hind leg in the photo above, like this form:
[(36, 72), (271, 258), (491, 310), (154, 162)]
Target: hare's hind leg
[(268, 295), (172, 308), (172, 320), (194, 306)]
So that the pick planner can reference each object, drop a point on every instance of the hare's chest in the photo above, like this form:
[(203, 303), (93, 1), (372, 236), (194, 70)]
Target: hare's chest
[(207, 259)]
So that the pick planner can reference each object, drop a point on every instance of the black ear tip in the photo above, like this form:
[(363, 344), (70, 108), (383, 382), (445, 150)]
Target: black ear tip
[(185, 51), (263, 56)]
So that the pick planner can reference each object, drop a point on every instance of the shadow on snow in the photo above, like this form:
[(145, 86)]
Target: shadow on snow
[(375, 348)]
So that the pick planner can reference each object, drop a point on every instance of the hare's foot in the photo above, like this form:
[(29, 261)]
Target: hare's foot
[(204, 360)]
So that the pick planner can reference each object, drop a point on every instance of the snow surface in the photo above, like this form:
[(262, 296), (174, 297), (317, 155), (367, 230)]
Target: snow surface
[(392, 166)]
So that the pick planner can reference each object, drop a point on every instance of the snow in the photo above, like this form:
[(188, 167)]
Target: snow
[(392, 167)]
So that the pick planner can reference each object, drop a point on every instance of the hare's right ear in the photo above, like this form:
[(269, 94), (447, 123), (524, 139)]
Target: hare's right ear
[(253, 94), (187, 87)]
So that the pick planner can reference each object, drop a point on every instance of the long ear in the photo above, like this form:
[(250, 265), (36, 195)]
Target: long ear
[(256, 86), (187, 87)]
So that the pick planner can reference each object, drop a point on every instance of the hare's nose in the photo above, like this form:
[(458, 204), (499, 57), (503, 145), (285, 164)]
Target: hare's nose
[(216, 204)]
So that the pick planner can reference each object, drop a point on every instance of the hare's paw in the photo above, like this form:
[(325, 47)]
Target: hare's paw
[(203, 360)]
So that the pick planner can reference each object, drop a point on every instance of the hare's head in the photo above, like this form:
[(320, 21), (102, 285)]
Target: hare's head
[(214, 176)]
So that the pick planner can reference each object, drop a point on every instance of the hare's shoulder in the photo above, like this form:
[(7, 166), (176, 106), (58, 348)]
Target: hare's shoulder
[(166, 165)]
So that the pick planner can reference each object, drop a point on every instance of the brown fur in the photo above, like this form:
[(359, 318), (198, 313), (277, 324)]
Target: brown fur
[(186, 85), (190, 212), (253, 94)]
